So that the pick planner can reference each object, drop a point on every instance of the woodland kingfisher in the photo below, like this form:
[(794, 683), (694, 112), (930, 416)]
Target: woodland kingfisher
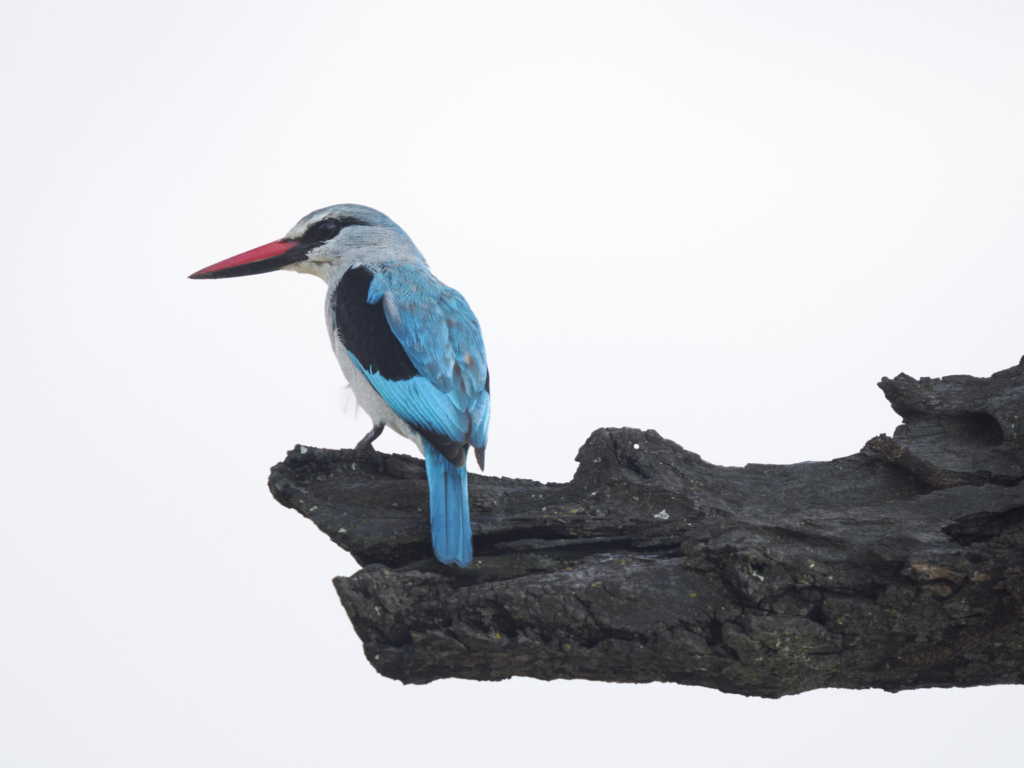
[(409, 346)]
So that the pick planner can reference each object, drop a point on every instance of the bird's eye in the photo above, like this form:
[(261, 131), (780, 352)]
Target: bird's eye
[(326, 229)]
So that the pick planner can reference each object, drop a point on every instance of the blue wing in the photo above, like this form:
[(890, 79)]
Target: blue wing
[(420, 346), (442, 338)]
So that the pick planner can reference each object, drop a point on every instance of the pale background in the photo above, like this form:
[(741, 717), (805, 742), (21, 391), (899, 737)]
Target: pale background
[(724, 221)]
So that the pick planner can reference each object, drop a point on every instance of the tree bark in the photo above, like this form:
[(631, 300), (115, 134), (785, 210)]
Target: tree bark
[(897, 567)]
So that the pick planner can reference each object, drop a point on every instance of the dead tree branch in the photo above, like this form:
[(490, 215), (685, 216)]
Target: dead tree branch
[(897, 567)]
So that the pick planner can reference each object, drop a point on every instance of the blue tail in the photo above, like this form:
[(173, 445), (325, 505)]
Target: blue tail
[(449, 509)]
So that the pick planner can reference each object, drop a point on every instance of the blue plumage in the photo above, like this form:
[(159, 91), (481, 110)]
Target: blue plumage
[(436, 328), (449, 509), (446, 400), (423, 405)]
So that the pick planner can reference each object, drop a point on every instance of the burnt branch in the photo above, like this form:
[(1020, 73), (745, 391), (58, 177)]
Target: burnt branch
[(897, 567)]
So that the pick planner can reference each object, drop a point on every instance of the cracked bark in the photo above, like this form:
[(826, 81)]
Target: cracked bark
[(897, 567)]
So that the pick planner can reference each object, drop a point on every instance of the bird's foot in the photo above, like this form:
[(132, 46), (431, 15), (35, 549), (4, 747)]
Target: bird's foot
[(367, 442), (365, 446)]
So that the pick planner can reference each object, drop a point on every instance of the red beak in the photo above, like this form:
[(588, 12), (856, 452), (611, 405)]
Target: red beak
[(266, 258)]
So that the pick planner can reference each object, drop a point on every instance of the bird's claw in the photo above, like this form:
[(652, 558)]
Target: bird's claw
[(367, 441)]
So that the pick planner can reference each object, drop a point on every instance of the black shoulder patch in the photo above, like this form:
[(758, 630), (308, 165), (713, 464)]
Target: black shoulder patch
[(364, 329)]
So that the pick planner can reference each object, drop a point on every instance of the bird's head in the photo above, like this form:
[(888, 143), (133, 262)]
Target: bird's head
[(323, 243)]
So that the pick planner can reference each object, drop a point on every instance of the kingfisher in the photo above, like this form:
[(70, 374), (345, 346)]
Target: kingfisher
[(409, 346)]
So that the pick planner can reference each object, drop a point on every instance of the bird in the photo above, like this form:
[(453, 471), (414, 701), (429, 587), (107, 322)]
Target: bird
[(409, 346)]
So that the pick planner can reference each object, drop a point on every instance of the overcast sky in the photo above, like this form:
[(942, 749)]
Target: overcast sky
[(724, 221)]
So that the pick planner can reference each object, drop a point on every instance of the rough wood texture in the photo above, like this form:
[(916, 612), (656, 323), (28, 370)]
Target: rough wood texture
[(898, 567)]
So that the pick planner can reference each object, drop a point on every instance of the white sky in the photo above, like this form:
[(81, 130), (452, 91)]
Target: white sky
[(724, 221)]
